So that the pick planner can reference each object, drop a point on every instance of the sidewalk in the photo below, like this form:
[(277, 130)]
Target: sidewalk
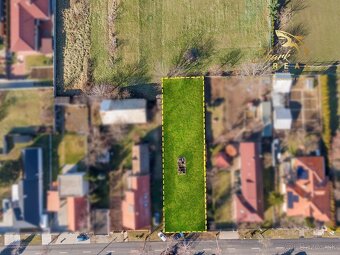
[(70, 238)]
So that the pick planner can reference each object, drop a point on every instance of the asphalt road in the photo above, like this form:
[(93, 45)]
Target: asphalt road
[(317, 246), (21, 84)]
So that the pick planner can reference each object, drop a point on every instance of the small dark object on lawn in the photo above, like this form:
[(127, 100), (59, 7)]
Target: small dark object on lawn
[(182, 168)]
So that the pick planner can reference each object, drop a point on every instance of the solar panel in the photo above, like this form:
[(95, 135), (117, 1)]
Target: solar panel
[(302, 174), (291, 199)]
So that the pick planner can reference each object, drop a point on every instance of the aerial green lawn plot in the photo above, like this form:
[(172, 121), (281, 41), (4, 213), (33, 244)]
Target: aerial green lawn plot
[(184, 195)]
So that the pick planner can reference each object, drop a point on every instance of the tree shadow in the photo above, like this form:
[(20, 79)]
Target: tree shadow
[(295, 108), (148, 91), (194, 56), (17, 247), (231, 58), (130, 74)]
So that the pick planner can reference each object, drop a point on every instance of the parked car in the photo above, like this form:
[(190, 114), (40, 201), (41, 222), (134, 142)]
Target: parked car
[(82, 237), (162, 236)]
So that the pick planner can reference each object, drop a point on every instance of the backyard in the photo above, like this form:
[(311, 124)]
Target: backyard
[(71, 149), (16, 117), (184, 199)]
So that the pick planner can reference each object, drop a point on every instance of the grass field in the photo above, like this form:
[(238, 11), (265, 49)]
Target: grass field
[(184, 203), (222, 197), (37, 61), (16, 115), (72, 149), (145, 40), (157, 34), (318, 21), (99, 40)]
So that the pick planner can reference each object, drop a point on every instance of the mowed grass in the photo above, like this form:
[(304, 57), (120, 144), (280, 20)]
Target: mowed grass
[(157, 32), (72, 149), (318, 21), (183, 132)]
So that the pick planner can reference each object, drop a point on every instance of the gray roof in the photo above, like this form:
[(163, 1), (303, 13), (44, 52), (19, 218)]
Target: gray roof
[(267, 118), (282, 118), (283, 113), (127, 111), (278, 99), (140, 159), (100, 221), (73, 184), (126, 104)]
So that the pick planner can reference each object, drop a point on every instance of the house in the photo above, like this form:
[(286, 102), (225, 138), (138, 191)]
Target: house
[(140, 159), (282, 118), (282, 84), (136, 206), (73, 184), (27, 196), (30, 26), (68, 212), (266, 114), (307, 191), (249, 200), (127, 111), (77, 213)]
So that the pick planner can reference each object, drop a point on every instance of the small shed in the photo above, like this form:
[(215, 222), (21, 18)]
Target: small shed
[(282, 83), (282, 118)]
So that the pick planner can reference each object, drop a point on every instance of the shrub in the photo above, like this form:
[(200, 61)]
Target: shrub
[(326, 112), (9, 172)]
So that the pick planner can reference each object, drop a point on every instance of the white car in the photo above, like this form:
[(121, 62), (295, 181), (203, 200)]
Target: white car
[(162, 236)]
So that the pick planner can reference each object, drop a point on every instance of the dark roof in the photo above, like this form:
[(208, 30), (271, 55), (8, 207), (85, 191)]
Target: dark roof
[(31, 163), (31, 201), (302, 173), (31, 204)]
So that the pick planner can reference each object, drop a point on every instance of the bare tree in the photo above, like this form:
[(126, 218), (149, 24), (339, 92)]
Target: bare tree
[(254, 68), (102, 90), (107, 91), (101, 141)]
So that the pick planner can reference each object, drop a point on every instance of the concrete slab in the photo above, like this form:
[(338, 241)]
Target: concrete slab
[(12, 239), (229, 235), (70, 238), (46, 238), (112, 237)]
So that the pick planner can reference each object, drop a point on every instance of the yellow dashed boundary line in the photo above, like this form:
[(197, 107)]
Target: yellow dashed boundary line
[(204, 152)]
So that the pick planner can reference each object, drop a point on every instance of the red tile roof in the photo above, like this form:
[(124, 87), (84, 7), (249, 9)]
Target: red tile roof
[(53, 201), (136, 207), (77, 212), (221, 161), (23, 14), (312, 190), (249, 203)]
